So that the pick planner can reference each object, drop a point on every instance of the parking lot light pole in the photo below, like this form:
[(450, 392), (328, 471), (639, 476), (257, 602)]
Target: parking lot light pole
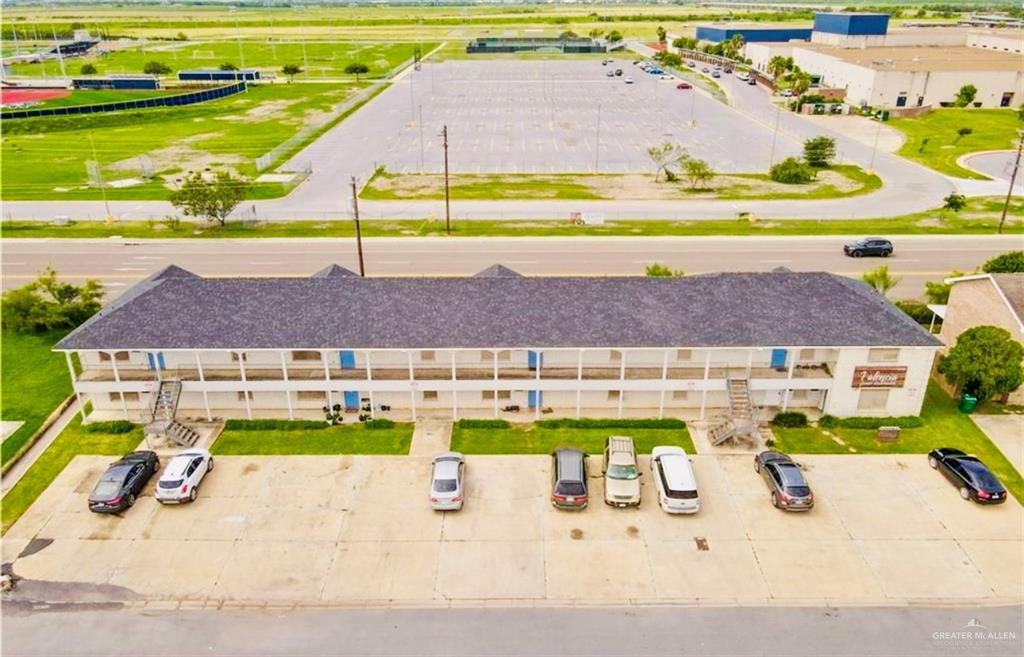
[(775, 136), (447, 197), (597, 151), (1013, 179), (359, 233)]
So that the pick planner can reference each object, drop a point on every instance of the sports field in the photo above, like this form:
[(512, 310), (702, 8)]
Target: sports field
[(66, 98)]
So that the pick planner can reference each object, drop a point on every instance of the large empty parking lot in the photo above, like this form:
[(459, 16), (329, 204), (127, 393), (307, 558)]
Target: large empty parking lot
[(357, 530)]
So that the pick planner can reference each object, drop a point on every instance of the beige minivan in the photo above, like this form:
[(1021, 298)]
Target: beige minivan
[(621, 475)]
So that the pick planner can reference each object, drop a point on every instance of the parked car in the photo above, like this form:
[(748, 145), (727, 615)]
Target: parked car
[(973, 478), (123, 481), (752, 81), (785, 480), (618, 72), (447, 481), (629, 80), (621, 475), (787, 93), (666, 76), (569, 478), (635, 62), (610, 73), (716, 74), (705, 70), (180, 479), (684, 85), (673, 479), (691, 64), (869, 246)]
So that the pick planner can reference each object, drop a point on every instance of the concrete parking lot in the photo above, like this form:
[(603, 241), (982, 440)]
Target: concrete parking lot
[(357, 530), (547, 116)]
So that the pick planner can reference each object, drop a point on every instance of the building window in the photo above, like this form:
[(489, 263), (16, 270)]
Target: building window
[(312, 395), (504, 394), (614, 395), (487, 394), (505, 355), (883, 355), (306, 355), (680, 395), (428, 356), (486, 356), (807, 354), (615, 356), (128, 396), (798, 395), (871, 400), (238, 356), (429, 395), (684, 354), (243, 394), (118, 355)]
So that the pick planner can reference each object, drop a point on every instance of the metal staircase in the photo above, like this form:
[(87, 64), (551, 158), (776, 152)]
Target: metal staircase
[(162, 413), (742, 421)]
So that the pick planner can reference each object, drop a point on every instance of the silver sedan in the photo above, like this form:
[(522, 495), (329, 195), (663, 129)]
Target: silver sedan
[(447, 481)]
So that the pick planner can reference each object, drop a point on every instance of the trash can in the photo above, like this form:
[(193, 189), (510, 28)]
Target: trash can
[(967, 403)]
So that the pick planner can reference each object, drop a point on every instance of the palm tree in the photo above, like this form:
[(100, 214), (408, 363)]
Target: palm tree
[(777, 66), (881, 280)]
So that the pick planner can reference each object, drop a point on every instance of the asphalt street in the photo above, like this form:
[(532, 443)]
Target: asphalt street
[(119, 263), (636, 631)]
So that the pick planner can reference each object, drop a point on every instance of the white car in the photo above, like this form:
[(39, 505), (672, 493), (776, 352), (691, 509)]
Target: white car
[(180, 480), (674, 480), (446, 487), (666, 76), (629, 80)]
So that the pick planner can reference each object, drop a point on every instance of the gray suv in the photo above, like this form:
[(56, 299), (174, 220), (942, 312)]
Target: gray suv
[(785, 480), (569, 478)]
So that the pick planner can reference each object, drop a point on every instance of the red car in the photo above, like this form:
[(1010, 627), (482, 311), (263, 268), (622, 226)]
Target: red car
[(684, 85)]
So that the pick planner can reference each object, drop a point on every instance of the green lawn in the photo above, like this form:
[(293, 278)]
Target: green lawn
[(100, 96), (980, 218), (70, 443), (325, 59), (530, 439), (45, 158), (994, 129), (34, 382), (345, 439), (944, 426)]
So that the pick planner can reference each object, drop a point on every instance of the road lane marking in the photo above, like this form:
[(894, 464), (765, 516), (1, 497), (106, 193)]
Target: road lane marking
[(131, 269)]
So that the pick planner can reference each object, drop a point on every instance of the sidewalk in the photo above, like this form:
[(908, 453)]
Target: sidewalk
[(1007, 433), (430, 437), (19, 469)]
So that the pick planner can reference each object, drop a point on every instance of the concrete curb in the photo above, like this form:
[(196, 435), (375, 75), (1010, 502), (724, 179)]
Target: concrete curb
[(43, 428)]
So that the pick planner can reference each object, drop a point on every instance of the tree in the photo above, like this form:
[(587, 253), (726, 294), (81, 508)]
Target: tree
[(156, 68), (669, 59), (48, 304), (357, 69), (228, 66), (697, 172), (800, 82), (181, 36), (1011, 262), (665, 156), (966, 95), (733, 45), (820, 151), (961, 133), (662, 34), (291, 70), (213, 199), (792, 171), (880, 280), (568, 34), (88, 69), (658, 270), (955, 202), (614, 36), (777, 66), (595, 33), (938, 291), (924, 142), (985, 362), (684, 43)]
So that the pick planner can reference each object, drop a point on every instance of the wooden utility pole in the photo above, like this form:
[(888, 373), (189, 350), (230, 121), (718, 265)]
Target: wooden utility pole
[(359, 233), (447, 197), (1013, 179)]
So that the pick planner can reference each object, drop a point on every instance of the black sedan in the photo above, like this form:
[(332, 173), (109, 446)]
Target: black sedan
[(123, 481), (869, 246), (785, 480), (974, 480)]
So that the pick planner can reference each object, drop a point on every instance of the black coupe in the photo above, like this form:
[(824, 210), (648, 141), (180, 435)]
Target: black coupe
[(123, 481), (974, 480)]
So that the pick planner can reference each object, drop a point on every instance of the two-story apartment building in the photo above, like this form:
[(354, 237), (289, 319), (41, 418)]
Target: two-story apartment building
[(475, 346)]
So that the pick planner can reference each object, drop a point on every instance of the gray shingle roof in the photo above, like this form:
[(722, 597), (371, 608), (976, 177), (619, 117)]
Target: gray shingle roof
[(723, 310), (1012, 287)]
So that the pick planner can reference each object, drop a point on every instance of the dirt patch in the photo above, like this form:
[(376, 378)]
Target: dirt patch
[(632, 531), (182, 157), (272, 109), (576, 534), (250, 468), (86, 483)]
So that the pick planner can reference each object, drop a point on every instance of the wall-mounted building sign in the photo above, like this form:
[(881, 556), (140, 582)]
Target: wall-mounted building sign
[(873, 376)]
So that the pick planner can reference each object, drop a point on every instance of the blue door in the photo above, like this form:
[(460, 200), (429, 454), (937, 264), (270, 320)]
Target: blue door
[(778, 359), (534, 359), (351, 400), (534, 398), (348, 360), (156, 361)]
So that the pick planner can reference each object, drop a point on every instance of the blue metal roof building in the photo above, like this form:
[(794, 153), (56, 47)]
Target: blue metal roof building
[(720, 33), (852, 24)]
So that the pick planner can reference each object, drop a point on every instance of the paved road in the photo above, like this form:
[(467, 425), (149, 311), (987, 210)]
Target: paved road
[(860, 632), (385, 130), (998, 165), (119, 263)]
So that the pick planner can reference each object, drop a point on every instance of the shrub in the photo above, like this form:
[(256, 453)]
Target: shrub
[(112, 426), (49, 304), (597, 423), (792, 171), (88, 69), (483, 424), (820, 151), (381, 423), (904, 422), (917, 311), (790, 419), (156, 68), (274, 425), (1011, 262)]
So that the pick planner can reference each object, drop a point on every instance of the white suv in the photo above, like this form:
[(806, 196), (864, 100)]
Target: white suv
[(674, 480), (180, 480), (621, 476)]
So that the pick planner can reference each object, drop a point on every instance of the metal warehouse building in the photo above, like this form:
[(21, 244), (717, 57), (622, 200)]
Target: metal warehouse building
[(534, 44), (499, 344)]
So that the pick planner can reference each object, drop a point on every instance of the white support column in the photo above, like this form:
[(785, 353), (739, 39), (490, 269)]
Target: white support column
[(412, 402), (579, 379), (74, 384), (287, 392), (206, 395), (495, 352), (664, 378), (789, 387), (622, 377), (750, 361), (327, 377), (704, 393), (369, 370), (537, 393), (117, 378), (241, 368), (455, 395), (412, 386)]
